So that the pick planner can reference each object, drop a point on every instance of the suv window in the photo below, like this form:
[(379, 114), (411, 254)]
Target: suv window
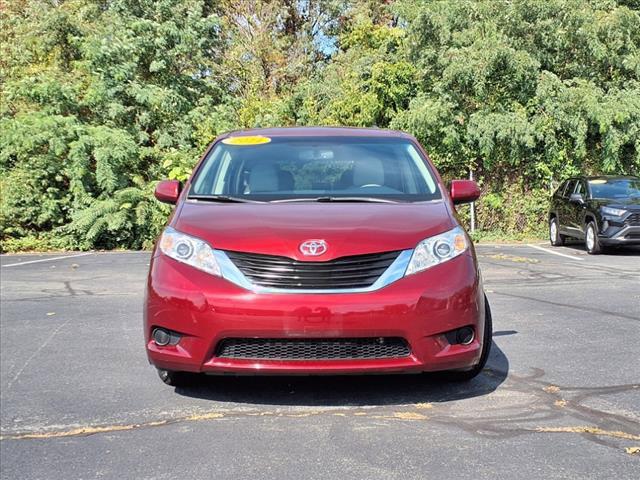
[(571, 185), (560, 190)]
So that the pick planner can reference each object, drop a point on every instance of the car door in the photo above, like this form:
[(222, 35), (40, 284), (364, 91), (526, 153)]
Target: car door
[(564, 208), (577, 208)]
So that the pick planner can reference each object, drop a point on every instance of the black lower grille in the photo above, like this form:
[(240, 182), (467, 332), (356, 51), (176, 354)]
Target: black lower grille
[(633, 220), (358, 271), (313, 349)]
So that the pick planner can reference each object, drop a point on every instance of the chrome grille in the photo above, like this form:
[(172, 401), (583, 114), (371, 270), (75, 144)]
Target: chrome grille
[(313, 349), (358, 271)]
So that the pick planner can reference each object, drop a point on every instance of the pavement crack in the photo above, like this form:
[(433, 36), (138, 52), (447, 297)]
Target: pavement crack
[(34, 354), (589, 430), (87, 430), (81, 431)]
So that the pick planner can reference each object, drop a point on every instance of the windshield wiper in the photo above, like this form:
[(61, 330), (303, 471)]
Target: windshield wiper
[(336, 199), (221, 199), (355, 199)]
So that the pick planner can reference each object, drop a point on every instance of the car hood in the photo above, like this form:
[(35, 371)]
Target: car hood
[(626, 203), (279, 229)]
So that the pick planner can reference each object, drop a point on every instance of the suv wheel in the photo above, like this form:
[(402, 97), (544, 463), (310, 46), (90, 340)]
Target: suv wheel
[(555, 238), (592, 241)]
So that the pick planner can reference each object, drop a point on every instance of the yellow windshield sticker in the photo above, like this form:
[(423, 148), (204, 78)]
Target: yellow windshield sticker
[(252, 140), (597, 182)]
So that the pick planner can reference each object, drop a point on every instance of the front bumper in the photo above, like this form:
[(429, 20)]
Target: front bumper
[(419, 308), (624, 235)]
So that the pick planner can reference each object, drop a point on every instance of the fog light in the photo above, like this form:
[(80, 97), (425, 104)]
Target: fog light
[(161, 337), (461, 336), (465, 335)]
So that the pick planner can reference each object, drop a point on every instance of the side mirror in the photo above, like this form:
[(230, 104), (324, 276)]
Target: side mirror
[(168, 191), (576, 198), (464, 191)]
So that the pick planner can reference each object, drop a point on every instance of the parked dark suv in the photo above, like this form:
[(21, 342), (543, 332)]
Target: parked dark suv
[(602, 211)]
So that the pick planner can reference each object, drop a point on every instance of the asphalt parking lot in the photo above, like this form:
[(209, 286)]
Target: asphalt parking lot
[(560, 397)]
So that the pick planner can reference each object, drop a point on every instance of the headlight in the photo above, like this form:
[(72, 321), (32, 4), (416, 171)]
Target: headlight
[(615, 212), (438, 249), (189, 250)]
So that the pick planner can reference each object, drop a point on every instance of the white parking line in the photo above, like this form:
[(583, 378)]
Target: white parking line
[(47, 259), (572, 257)]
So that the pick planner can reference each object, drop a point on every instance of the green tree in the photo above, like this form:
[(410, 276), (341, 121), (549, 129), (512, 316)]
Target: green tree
[(97, 97), (101, 99), (526, 92), (369, 78)]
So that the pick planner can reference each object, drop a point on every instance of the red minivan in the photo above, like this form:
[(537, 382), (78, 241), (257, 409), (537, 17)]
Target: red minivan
[(315, 251)]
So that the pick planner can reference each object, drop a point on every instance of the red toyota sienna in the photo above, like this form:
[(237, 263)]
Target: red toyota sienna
[(315, 251)]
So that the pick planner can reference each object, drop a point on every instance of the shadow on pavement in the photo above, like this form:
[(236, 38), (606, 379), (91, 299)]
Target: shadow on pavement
[(503, 333), (631, 250), (352, 390)]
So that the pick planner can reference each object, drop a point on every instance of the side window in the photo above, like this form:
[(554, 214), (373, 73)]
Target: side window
[(571, 185), (579, 188), (560, 190)]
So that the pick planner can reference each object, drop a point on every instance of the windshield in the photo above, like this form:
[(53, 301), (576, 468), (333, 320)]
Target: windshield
[(615, 188), (290, 168)]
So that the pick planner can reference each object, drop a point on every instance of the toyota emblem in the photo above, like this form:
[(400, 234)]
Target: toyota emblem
[(313, 248)]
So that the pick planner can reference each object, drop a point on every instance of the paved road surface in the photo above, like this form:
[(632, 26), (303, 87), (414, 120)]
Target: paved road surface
[(560, 397)]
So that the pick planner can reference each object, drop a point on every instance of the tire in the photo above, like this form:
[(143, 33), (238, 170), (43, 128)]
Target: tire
[(466, 375), (176, 379), (556, 239), (591, 240)]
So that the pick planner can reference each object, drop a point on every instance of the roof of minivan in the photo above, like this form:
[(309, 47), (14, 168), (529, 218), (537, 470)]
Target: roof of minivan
[(318, 132)]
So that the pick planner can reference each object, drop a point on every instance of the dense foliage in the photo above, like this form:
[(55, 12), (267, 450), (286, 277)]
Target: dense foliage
[(100, 99)]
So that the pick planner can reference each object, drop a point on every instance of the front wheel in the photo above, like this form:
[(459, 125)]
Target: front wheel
[(555, 238), (466, 375), (592, 241)]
